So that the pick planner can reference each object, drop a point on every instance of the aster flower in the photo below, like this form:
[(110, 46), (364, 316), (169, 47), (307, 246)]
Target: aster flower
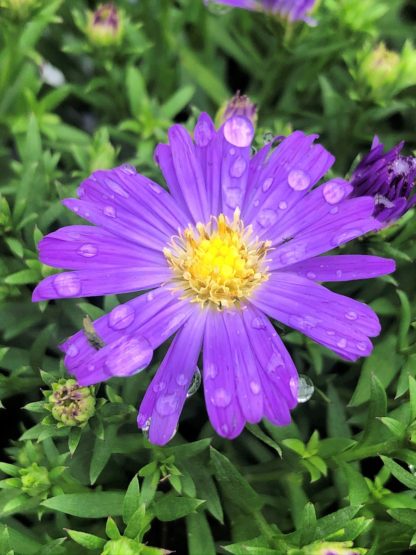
[(292, 10), (389, 177), (236, 240)]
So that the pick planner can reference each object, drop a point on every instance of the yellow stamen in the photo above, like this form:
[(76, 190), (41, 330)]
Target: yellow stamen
[(219, 262)]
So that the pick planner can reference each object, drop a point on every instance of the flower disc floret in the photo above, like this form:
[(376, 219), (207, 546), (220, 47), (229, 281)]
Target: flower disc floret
[(218, 263)]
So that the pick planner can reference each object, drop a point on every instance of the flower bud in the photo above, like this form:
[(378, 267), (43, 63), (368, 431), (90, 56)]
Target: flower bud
[(334, 548), (105, 25), (35, 480), (238, 105), (70, 404), (122, 546), (18, 9)]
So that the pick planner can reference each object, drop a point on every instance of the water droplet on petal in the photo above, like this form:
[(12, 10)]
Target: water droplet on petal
[(305, 388), (238, 167), (267, 184), (221, 398), (258, 324), (239, 131), (351, 315), (116, 188), (159, 386), (195, 383), (298, 180), (150, 296), (210, 371), (88, 250), (128, 169), (342, 343), (203, 133), (267, 217), (224, 429), (255, 388), (128, 356), (345, 236), (167, 404), (72, 351), (275, 362), (311, 275), (121, 317), (256, 202), (334, 210), (67, 285), (333, 192), (145, 426), (282, 205), (233, 197), (110, 211), (330, 332), (362, 346), (338, 273), (181, 379)]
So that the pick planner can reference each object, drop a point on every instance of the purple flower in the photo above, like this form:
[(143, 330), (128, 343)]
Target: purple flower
[(237, 239), (389, 178), (292, 10), (240, 105)]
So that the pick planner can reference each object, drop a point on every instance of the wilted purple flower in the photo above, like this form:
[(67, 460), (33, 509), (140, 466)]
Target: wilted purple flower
[(292, 10), (389, 177), (237, 238)]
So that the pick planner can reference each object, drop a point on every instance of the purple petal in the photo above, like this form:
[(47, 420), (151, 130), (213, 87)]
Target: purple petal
[(80, 247), (93, 283), (344, 267), (337, 322), (164, 399), (219, 381)]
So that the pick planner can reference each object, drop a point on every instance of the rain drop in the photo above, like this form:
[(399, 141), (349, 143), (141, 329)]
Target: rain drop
[(298, 180), (351, 315), (238, 167), (232, 197), (203, 133), (181, 379), (72, 351), (362, 346), (67, 285), (345, 236), (88, 250), (116, 188), (239, 131), (267, 217), (305, 388), (221, 398), (159, 386), (342, 343), (333, 192), (267, 184), (128, 169), (121, 317), (255, 388), (150, 296), (167, 405), (110, 211), (195, 383), (311, 275), (282, 205), (258, 324)]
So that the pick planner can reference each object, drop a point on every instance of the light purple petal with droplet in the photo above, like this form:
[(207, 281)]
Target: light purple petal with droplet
[(93, 283), (342, 267), (164, 399), (219, 381), (80, 247), (337, 322)]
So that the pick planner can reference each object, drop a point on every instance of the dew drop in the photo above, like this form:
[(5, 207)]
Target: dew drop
[(232, 197), (224, 429), (210, 371), (116, 188), (330, 332), (181, 379), (110, 211), (275, 362), (342, 343), (351, 315), (221, 398), (362, 346), (267, 184), (256, 202), (255, 387), (333, 192), (305, 388), (128, 169), (67, 285), (267, 217), (128, 356), (334, 210), (88, 250), (159, 386), (167, 404), (195, 383), (345, 236), (121, 317), (258, 324), (282, 205), (338, 273), (311, 275), (298, 180), (150, 296), (239, 131), (238, 167), (203, 133), (72, 351), (412, 469)]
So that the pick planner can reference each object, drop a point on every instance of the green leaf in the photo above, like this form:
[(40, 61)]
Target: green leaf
[(358, 491), (308, 526), (86, 540), (233, 484), (97, 504), (405, 516), (405, 477), (199, 535), (171, 507), (131, 500)]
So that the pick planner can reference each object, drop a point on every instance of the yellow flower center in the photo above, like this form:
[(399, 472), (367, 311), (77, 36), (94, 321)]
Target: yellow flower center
[(218, 262)]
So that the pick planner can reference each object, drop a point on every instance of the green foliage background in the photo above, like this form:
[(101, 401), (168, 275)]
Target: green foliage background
[(344, 471)]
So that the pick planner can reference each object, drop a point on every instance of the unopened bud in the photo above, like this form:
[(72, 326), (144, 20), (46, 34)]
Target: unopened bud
[(71, 404)]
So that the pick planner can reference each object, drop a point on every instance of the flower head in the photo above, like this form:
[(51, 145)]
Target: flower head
[(70, 404), (238, 105), (105, 25), (291, 10), (237, 239), (389, 177)]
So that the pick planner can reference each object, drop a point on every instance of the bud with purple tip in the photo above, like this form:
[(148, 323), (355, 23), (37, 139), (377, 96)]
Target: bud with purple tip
[(105, 25)]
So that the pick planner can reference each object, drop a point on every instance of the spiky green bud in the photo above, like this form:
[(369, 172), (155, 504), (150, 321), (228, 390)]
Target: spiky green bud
[(35, 480), (71, 404)]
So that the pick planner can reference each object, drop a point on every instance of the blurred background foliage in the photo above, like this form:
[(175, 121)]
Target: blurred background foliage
[(75, 97)]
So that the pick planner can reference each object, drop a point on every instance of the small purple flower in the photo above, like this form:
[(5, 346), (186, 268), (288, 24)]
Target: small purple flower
[(292, 10), (104, 26), (237, 239), (240, 105), (389, 177)]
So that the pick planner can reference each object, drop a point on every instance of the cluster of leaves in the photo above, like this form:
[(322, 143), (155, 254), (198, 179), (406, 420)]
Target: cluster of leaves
[(343, 474)]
